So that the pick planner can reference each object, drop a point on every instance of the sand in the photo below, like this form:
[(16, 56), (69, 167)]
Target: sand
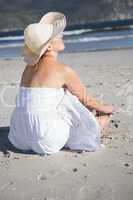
[(106, 174)]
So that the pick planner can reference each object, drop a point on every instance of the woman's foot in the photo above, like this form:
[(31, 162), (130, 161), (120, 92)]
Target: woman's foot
[(104, 122)]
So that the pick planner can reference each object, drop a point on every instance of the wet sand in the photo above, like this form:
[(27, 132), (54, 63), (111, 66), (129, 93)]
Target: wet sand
[(106, 174)]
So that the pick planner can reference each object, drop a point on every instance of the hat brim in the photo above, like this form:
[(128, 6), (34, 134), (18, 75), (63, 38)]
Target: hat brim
[(57, 19)]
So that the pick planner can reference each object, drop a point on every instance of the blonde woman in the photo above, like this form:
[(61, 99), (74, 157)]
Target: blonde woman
[(53, 109)]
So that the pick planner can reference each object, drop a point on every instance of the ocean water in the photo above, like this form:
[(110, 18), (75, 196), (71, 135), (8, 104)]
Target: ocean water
[(76, 39)]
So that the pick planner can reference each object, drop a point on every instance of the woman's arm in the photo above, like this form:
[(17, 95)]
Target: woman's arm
[(77, 88)]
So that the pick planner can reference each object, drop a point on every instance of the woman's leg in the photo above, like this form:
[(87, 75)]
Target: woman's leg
[(104, 122)]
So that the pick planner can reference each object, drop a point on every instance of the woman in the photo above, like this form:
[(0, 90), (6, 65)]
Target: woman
[(53, 109)]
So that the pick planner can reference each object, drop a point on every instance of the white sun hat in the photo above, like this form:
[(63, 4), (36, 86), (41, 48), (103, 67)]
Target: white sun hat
[(37, 36)]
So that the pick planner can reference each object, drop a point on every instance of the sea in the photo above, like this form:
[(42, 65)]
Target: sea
[(98, 36)]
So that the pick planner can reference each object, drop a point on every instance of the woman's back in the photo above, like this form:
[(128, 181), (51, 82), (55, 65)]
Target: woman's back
[(46, 74)]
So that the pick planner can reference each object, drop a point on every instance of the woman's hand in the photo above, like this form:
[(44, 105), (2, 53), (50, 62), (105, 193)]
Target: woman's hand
[(106, 109)]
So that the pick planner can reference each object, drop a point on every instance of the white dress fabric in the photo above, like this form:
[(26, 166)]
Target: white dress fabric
[(47, 119)]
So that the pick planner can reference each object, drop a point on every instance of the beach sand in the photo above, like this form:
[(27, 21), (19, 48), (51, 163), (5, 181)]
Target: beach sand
[(106, 174)]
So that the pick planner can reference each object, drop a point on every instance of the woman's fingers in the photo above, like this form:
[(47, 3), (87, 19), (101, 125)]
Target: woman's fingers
[(106, 109)]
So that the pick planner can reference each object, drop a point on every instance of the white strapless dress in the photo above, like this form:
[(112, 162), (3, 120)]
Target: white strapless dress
[(47, 119)]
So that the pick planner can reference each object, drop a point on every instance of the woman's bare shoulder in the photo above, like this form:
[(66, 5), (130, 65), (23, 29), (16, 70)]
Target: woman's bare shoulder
[(66, 70), (61, 68), (70, 72)]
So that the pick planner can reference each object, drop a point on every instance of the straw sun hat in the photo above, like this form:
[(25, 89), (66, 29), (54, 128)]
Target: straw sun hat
[(37, 36)]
